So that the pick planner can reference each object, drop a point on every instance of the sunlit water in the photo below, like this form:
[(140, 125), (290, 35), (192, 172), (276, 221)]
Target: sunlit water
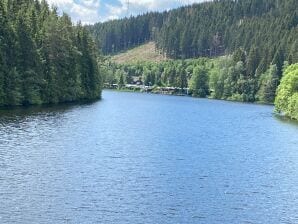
[(138, 158)]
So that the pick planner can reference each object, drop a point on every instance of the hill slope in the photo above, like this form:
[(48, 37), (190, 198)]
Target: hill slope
[(145, 52), (266, 31)]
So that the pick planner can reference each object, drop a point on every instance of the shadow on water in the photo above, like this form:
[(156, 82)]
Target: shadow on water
[(285, 120), (19, 113)]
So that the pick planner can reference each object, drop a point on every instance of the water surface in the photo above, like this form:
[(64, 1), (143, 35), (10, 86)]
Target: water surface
[(138, 158)]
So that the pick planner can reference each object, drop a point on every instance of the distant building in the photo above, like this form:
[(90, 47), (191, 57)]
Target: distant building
[(137, 81)]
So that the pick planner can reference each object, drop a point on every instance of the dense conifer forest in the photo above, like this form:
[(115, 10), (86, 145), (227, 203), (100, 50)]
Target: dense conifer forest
[(44, 58), (266, 30)]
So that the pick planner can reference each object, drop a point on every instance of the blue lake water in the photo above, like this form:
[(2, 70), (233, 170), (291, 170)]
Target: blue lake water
[(141, 158)]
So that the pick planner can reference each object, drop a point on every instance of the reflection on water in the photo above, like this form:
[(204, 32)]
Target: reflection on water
[(14, 114), (137, 158), (286, 120)]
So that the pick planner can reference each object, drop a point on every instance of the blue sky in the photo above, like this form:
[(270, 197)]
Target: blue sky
[(92, 11)]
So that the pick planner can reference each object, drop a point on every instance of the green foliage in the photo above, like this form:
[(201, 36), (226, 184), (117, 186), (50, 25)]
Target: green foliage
[(268, 85), (199, 82), (121, 78), (43, 57), (287, 94), (220, 78)]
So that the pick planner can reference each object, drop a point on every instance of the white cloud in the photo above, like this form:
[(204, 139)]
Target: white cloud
[(86, 11), (91, 11), (141, 6)]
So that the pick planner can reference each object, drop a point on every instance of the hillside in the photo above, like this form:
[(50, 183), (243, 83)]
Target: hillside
[(225, 49), (266, 30), (146, 52)]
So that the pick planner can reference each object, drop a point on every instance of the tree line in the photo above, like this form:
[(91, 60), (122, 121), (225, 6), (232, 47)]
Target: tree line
[(44, 58), (225, 77)]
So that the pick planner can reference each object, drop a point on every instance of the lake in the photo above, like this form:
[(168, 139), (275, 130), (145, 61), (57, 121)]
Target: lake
[(143, 158)]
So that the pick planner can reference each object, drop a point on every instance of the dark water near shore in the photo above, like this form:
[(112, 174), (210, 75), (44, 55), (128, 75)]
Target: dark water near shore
[(138, 158)]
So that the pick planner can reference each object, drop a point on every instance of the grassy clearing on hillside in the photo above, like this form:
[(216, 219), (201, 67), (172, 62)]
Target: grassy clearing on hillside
[(146, 52)]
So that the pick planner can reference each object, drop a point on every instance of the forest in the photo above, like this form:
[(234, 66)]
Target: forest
[(220, 78), (44, 58), (266, 29)]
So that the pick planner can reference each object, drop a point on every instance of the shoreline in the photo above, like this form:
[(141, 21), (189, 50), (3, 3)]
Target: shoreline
[(280, 117), (185, 95), (75, 102)]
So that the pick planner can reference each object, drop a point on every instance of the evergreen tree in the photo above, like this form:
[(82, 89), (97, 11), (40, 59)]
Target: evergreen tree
[(43, 57), (121, 79), (269, 83)]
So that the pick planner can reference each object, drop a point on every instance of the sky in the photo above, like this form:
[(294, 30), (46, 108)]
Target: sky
[(92, 11)]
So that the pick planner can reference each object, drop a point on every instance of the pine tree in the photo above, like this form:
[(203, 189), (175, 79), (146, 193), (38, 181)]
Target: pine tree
[(252, 62), (27, 61), (269, 82)]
